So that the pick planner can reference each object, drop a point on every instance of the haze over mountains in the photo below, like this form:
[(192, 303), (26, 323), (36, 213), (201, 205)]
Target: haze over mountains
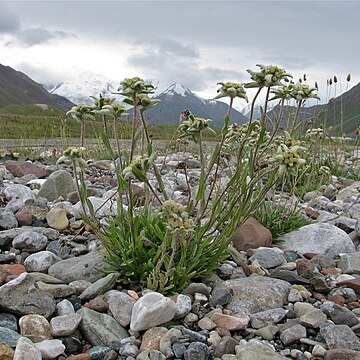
[(17, 88)]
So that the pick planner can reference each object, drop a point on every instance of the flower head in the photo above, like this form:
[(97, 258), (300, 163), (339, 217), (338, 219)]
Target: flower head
[(267, 76), (232, 90)]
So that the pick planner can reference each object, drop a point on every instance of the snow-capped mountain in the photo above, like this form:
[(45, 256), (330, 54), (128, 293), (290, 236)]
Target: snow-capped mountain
[(85, 85)]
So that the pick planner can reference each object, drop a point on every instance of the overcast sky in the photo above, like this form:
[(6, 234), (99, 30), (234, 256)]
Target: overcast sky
[(196, 43)]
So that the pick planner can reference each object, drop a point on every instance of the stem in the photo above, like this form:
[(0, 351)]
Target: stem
[(202, 165), (230, 106), (106, 130), (82, 130), (133, 142), (253, 104), (296, 117), (266, 105)]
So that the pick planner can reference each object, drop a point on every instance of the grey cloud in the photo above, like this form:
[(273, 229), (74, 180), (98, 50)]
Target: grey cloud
[(40, 73), (35, 36), (9, 22)]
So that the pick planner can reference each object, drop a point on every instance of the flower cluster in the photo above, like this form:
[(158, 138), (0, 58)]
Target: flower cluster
[(176, 215), (232, 90), (304, 91), (73, 154), (192, 126), (112, 110), (138, 168), (289, 157), (267, 76), (134, 86), (100, 101), (143, 101), (314, 133), (82, 112)]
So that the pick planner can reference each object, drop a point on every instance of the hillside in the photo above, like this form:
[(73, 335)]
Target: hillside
[(16, 88)]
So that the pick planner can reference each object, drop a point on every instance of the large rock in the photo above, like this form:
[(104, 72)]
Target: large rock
[(100, 329), (17, 194), (7, 220), (102, 207), (30, 241), (256, 293), (350, 263), (251, 235), (79, 268), (151, 310), (59, 183), (40, 261), (25, 349), (350, 192), (120, 305), (22, 296), (35, 327), (21, 168), (57, 218), (255, 349), (339, 337), (325, 239)]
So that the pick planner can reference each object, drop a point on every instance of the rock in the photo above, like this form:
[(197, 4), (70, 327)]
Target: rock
[(25, 349), (350, 263), (35, 327), (268, 257), (7, 220), (100, 329), (22, 296), (99, 287), (171, 336), (255, 349), (289, 276), (313, 319), (339, 337), (151, 310), (20, 168), (120, 305), (57, 219), (351, 283), (293, 334), (13, 269), (183, 306), (320, 238), (24, 218), (17, 194), (8, 336), (350, 192), (267, 332), (40, 261), (338, 314), (64, 325), (79, 268), (151, 355), (8, 321), (197, 351), (199, 288), (231, 323), (6, 352), (267, 317), (206, 324), (57, 290), (65, 307), (256, 293), (30, 241), (220, 297), (251, 235), (341, 354), (102, 207), (59, 183), (50, 349), (151, 338), (226, 346), (305, 268)]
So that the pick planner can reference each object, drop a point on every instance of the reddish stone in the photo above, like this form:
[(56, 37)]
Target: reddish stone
[(14, 269), (354, 304), (311, 213), (98, 304), (310, 255), (79, 357), (3, 275), (330, 271), (251, 235), (305, 268), (341, 354), (24, 218), (353, 284), (319, 296), (337, 299), (21, 168)]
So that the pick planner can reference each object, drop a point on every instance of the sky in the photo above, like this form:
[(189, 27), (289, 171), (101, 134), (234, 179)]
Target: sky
[(195, 43)]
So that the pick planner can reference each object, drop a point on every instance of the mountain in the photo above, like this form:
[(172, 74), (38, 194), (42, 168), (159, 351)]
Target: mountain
[(85, 85), (16, 88), (176, 98), (246, 110)]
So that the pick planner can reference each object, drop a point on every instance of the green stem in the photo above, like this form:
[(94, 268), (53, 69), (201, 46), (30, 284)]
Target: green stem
[(133, 141), (296, 117), (253, 104)]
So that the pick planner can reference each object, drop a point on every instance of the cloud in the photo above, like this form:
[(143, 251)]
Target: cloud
[(9, 22), (173, 61), (36, 36)]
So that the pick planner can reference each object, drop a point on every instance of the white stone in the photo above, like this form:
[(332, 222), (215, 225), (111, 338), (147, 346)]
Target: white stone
[(50, 349), (25, 349)]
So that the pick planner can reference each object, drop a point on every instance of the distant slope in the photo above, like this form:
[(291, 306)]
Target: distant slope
[(16, 88)]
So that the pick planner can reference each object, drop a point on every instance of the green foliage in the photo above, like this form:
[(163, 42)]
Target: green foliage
[(279, 219), (145, 251)]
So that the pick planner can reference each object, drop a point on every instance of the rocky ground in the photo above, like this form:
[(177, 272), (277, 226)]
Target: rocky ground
[(296, 300)]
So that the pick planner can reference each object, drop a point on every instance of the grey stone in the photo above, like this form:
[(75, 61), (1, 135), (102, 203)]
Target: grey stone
[(50, 349), (313, 319), (8, 320), (256, 293), (64, 325), (35, 327), (338, 314), (30, 241), (59, 183), (98, 352), (151, 310), (100, 329), (268, 257), (197, 351), (350, 192), (320, 238), (151, 355), (65, 307), (7, 220), (183, 306), (9, 336), (339, 337), (40, 261), (17, 194), (80, 268), (350, 263), (22, 296), (255, 349), (99, 287), (102, 207), (220, 297), (267, 332), (57, 290), (120, 305), (293, 334), (25, 349), (267, 317)]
